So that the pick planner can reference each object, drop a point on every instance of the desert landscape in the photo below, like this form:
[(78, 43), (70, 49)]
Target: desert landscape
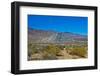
[(51, 45)]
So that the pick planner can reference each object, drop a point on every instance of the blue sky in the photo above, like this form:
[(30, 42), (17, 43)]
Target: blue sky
[(73, 24)]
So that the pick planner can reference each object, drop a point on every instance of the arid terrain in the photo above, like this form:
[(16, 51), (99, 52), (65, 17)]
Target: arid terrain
[(51, 45)]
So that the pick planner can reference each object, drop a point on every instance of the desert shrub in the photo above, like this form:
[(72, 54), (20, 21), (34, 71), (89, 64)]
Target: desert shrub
[(85, 45), (61, 47), (29, 49), (32, 48), (49, 56), (35, 48), (80, 51), (51, 51), (68, 49), (29, 53)]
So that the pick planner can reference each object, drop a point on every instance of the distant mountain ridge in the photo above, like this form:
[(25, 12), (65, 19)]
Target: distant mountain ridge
[(41, 36)]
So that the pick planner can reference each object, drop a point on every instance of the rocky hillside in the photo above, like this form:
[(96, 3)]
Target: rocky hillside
[(41, 36)]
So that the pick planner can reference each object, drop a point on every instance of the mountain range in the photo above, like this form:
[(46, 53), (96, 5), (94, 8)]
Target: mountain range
[(42, 36)]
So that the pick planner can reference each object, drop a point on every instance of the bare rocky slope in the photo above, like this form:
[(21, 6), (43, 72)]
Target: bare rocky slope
[(41, 36)]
